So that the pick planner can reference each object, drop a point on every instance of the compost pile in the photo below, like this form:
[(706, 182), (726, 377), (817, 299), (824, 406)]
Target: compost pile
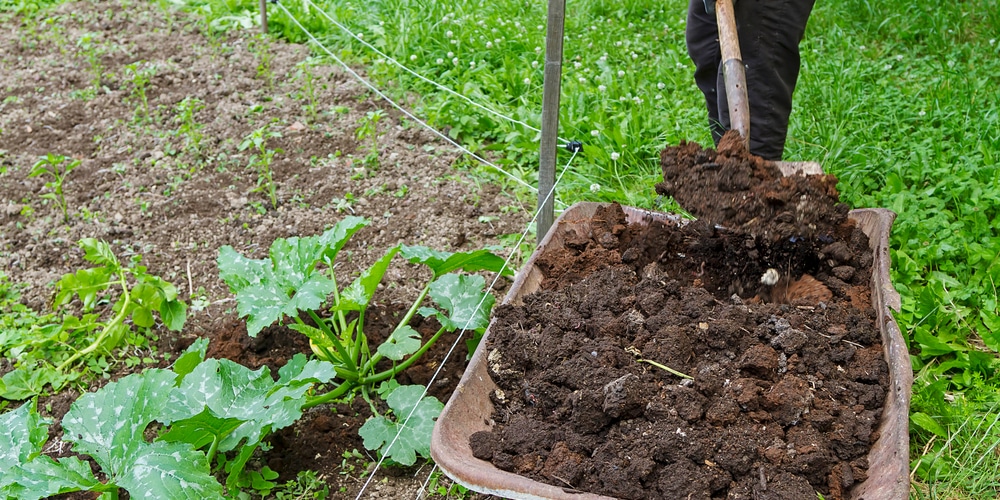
[(787, 375)]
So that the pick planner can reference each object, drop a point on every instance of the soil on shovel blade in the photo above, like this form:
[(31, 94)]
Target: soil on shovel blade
[(787, 378)]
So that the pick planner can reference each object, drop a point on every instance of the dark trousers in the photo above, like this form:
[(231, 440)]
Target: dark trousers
[(769, 32)]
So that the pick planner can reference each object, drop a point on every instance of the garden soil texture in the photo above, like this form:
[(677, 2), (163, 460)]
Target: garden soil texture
[(736, 356), (148, 188)]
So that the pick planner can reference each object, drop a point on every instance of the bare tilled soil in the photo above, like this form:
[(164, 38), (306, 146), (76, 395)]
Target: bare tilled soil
[(734, 357), (145, 186)]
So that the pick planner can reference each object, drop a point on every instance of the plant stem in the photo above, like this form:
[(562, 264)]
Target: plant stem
[(370, 365), (378, 377), (107, 328), (329, 396), (665, 367), (212, 449), (345, 357)]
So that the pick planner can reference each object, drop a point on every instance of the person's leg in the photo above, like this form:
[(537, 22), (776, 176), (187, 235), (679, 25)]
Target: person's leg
[(770, 31), (702, 36)]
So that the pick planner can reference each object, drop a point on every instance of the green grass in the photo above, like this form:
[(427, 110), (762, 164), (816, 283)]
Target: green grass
[(899, 100)]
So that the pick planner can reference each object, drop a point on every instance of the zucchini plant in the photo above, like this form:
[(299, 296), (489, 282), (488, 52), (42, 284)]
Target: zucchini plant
[(297, 281), (206, 408)]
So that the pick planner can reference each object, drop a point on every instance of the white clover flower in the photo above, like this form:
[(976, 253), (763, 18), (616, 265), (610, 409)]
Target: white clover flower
[(360, 35), (454, 42), (538, 50), (658, 96), (595, 187), (527, 81), (540, 27), (413, 57), (637, 100), (497, 40), (593, 28), (679, 65), (440, 61), (631, 25), (622, 99), (582, 80), (604, 57), (601, 88), (993, 41), (454, 61), (577, 64), (661, 85), (621, 73), (534, 64), (922, 113), (615, 156), (634, 55), (618, 43), (862, 47), (449, 34), (451, 54), (594, 133), (489, 45), (472, 64), (887, 67), (899, 57), (951, 64)]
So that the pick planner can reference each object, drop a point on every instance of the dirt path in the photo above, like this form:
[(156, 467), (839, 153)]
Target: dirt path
[(168, 181)]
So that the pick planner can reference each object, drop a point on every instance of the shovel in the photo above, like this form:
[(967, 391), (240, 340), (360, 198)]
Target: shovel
[(734, 74)]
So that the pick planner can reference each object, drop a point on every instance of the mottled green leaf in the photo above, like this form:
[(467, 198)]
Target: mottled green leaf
[(336, 237), (401, 343), (442, 262), (409, 434), (27, 474), (201, 429), (191, 357), (359, 294), (462, 296)]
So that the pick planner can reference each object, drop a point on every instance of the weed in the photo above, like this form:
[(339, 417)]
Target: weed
[(368, 131), (303, 73), (56, 167), (46, 353), (307, 485), (261, 160), (260, 45), (187, 124), (92, 52), (140, 74)]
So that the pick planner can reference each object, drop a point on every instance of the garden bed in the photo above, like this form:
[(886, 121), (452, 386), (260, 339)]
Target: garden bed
[(161, 175), (797, 386)]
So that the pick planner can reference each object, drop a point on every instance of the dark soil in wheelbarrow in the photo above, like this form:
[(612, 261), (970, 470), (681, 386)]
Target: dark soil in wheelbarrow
[(783, 380)]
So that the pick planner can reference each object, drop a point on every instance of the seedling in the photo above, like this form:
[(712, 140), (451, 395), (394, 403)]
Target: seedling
[(303, 73), (56, 167), (261, 160), (188, 126), (140, 74), (368, 130), (92, 52), (297, 281), (261, 46)]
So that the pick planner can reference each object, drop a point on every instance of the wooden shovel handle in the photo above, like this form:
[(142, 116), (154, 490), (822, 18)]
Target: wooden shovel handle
[(733, 70)]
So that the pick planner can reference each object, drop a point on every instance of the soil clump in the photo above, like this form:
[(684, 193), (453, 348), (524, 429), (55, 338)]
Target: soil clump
[(784, 380)]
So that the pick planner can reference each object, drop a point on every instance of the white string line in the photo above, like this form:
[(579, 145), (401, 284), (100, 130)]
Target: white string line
[(423, 78), (423, 487), (397, 106), (461, 333)]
